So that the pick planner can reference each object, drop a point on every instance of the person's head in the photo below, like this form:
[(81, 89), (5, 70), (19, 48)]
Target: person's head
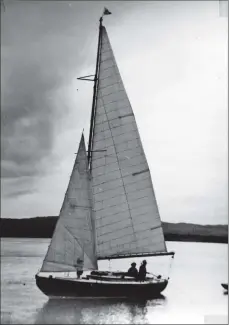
[(144, 262), (133, 264), (79, 260)]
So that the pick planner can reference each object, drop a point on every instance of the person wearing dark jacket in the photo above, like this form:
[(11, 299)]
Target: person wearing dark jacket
[(133, 272), (142, 271), (79, 267)]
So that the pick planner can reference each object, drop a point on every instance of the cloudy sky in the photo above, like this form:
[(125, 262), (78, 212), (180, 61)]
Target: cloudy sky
[(173, 59)]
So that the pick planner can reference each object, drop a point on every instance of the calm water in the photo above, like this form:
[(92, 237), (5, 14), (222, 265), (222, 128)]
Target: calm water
[(193, 292)]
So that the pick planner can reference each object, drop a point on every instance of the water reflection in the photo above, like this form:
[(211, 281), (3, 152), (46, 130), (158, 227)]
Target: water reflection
[(96, 311)]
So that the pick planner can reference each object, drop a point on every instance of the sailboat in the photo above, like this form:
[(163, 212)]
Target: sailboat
[(109, 209)]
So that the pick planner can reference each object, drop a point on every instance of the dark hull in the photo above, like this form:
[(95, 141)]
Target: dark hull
[(69, 288), (225, 285)]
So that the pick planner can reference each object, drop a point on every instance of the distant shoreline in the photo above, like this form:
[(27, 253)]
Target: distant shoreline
[(43, 227)]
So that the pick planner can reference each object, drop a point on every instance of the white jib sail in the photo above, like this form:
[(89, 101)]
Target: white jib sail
[(125, 209), (73, 237)]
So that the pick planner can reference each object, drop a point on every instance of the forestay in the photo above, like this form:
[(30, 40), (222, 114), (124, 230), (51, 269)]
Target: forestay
[(125, 209), (73, 237)]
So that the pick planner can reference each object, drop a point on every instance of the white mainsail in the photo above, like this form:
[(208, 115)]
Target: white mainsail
[(125, 210), (73, 236)]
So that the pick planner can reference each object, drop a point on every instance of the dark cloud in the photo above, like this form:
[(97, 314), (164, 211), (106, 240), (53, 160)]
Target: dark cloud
[(17, 193), (43, 50), (18, 186), (45, 45)]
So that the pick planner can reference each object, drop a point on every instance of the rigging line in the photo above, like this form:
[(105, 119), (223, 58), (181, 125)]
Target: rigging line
[(170, 265), (93, 233), (91, 135), (95, 91)]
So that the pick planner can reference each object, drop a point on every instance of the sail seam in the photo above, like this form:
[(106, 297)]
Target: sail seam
[(120, 152), (102, 96), (120, 149), (124, 236), (115, 74), (122, 228), (106, 51), (130, 201), (112, 84), (106, 59), (111, 119), (111, 232), (137, 191), (107, 208), (105, 95), (105, 135), (102, 218), (112, 212), (123, 174), (79, 206), (105, 69), (117, 244), (113, 178), (128, 192), (115, 118), (139, 231), (119, 221), (117, 140), (115, 188), (120, 158), (122, 161), (112, 101)]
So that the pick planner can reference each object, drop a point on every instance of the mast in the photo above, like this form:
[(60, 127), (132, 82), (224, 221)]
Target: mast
[(95, 89)]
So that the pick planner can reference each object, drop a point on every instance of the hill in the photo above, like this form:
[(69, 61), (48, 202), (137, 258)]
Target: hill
[(43, 227)]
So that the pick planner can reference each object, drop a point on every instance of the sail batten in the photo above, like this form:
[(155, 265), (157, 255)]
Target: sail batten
[(125, 211), (73, 237)]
